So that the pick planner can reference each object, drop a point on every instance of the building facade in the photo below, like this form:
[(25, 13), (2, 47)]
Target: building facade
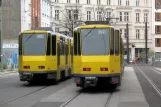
[(25, 15), (69, 13), (35, 13), (156, 27), (11, 20), (46, 13)]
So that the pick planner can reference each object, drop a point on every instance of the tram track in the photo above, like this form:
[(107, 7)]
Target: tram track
[(22, 96), (108, 100), (106, 103)]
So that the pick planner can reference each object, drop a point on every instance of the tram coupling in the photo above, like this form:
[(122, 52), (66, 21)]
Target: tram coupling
[(90, 81)]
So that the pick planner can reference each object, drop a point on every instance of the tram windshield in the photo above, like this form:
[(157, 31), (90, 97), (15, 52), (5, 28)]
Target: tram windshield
[(34, 44), (95, 41)]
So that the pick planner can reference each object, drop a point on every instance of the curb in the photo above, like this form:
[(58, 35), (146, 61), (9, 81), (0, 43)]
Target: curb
[(7, 72)]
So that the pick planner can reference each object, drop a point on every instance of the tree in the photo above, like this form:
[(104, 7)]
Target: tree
[(72, 18), (150, 54)]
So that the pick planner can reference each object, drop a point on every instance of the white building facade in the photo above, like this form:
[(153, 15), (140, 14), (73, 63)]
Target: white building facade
[(25, 15), (46, 13), (156, 25), (133, 12)]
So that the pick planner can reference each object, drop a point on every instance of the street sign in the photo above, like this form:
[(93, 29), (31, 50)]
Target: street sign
[(10, 45)]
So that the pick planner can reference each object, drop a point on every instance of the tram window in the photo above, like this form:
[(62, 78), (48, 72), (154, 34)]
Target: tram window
[(49, 45), (53, 44), (70, 48), (79, 48), (66, 49), (122, 48), (20, 45), (116, 42), (75, 43), (112, 42), (61, 46)]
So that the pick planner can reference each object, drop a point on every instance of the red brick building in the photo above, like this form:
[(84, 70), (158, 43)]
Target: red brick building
[(35, 13)]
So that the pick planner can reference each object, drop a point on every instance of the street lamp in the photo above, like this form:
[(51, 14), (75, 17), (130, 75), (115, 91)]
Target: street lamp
[(1, 35)]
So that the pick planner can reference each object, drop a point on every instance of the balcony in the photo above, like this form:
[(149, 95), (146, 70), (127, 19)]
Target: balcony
[(73, 5), (138, 41), (124, 7), (124, 22)]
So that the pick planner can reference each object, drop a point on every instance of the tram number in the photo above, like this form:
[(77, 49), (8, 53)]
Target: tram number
[(40, 36), (100, 32)]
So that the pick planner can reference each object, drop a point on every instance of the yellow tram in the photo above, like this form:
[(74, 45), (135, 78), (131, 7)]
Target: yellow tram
[(44, 54), (98, 55)]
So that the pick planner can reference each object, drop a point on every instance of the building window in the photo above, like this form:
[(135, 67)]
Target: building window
[(119, 2), (145, 17), (70, 14), (108, 2), (56, 14), (108, 14), (125, 33), (157, 42), (76, 14), (57, 29), (98, 16), (77, 1), (98, 1), (137, 2), (146, 2), (157, 29), (51, 12), (68, 1), (137, 34), (126, 16), (121, 16), (88, 2), (157, 16), (56, 1), (88, 15), (157, 4), (127, 2), (137, 17)]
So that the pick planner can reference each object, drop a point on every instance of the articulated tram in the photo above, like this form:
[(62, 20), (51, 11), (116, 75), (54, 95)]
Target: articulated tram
[(98, 55), (44, 54)]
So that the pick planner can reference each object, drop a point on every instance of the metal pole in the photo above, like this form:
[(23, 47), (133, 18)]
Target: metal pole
[(1, 42), (127, 40), (146, 50), (36, 22)]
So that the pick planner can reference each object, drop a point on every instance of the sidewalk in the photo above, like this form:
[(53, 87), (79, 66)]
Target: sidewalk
[(130, 94), (5, 71)]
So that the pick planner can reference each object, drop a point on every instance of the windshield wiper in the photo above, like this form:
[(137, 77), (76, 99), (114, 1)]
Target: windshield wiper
[(90, 31), (29, 37)]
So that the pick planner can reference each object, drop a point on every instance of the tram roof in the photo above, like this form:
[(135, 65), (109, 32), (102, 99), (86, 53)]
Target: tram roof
[(43, 28)]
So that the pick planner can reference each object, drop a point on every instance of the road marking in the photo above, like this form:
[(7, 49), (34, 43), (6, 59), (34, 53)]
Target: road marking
[(151, 82), (155, 70)]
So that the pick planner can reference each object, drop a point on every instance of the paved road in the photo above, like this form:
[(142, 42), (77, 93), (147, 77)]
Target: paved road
[(14, 93), (150, 80), (128, 95)]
